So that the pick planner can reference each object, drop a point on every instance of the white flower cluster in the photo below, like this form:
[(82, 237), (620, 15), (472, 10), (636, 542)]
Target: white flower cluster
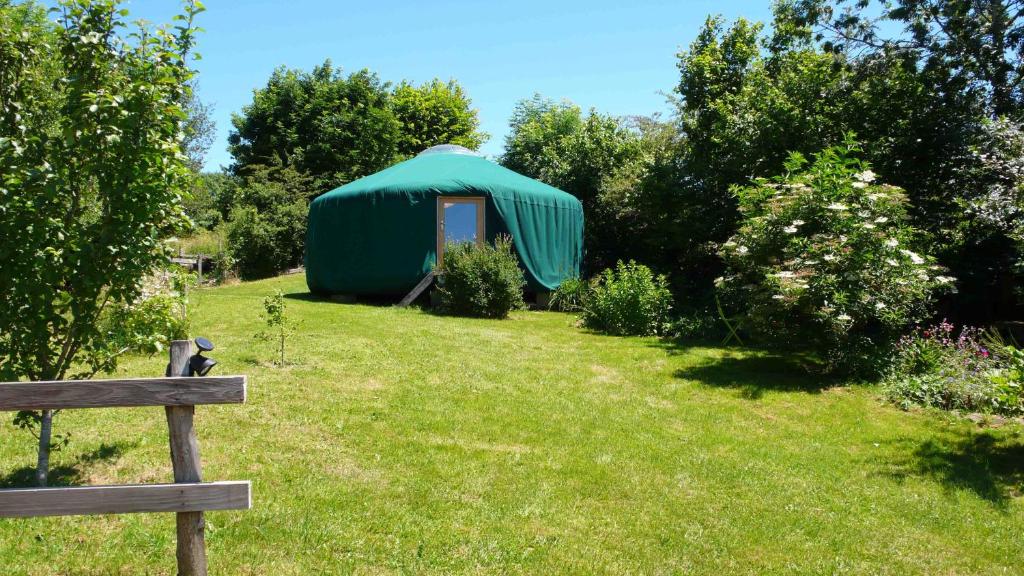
[(914, 257), (866, 176), (793, 227), (90, 38)]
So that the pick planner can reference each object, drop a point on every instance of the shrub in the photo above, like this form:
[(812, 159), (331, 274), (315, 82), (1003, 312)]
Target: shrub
[(481, 280), (570, 295), (267, 231), (824, 260), (697, 324), (629, 300), (223, 266), (253, 244), (934, 368), (264, 244)]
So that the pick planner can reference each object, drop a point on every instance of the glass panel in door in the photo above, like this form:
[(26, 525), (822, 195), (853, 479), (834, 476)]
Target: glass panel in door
[(459, 219)]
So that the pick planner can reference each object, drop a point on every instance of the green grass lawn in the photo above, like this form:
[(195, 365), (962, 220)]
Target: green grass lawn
[(404, 442)]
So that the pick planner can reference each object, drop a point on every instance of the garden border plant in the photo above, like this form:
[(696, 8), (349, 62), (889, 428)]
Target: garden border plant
[(570, 296), (971, 371), (628, 300)]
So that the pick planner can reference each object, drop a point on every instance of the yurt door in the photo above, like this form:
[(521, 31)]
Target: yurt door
[(459, 219)]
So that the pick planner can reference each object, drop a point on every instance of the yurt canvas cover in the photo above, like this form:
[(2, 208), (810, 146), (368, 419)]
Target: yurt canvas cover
[(379, 234)]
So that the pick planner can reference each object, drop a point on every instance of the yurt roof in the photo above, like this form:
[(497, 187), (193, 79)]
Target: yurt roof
[(453, 170)]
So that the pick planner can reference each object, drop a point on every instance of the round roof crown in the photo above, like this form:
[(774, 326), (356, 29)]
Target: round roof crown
[(448, 149)]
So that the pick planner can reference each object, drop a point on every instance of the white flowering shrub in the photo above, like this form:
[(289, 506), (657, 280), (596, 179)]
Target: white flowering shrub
[(824, 260)]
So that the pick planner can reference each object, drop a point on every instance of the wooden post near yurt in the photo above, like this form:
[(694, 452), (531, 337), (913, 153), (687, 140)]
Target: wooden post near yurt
[(418, 289), (187, 468)]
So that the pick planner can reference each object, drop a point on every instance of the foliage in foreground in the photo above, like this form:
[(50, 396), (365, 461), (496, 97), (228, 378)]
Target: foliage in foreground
[(91, 179), (481, 280), (628, 300), (158, 316), (936, 368), (824, 260)]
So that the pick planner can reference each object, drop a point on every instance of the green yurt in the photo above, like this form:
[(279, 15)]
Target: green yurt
[(382, 234)]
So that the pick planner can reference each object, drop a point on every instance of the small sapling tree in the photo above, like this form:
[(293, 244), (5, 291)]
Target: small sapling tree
[(278, 326)]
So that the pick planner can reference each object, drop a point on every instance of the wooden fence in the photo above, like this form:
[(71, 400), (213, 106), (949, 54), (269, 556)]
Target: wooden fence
[(194, 263), (188, 496)]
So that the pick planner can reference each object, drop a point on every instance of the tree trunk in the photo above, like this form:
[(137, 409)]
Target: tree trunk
[(282, 348), (1002, 92), (45, 431)]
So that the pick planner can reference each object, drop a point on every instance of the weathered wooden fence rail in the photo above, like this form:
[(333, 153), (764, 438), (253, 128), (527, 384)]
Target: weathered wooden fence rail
[(194, 263), (188, 496)]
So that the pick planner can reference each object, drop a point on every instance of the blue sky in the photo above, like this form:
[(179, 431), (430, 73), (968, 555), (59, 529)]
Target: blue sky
[(617, 57)]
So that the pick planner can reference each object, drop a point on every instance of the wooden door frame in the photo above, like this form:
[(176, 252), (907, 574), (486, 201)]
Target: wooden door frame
[(481, 228)]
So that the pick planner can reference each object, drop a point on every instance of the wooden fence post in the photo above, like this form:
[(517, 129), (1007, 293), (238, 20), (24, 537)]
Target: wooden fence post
[(187, 468), (188, 497)]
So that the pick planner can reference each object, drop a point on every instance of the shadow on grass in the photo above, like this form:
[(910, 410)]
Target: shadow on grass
[(990, 466), (754, 373), (67, 474), (379, 300)]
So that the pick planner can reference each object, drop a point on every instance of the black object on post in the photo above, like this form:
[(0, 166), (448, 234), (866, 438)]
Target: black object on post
[(199, 365)]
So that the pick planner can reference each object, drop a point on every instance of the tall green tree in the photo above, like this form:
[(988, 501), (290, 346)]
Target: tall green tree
[(747, 98), (435, 113), (970, 46), (335, 128), (595, 157), (91, 178), (741, 109), (331, 127), (964, 61)]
